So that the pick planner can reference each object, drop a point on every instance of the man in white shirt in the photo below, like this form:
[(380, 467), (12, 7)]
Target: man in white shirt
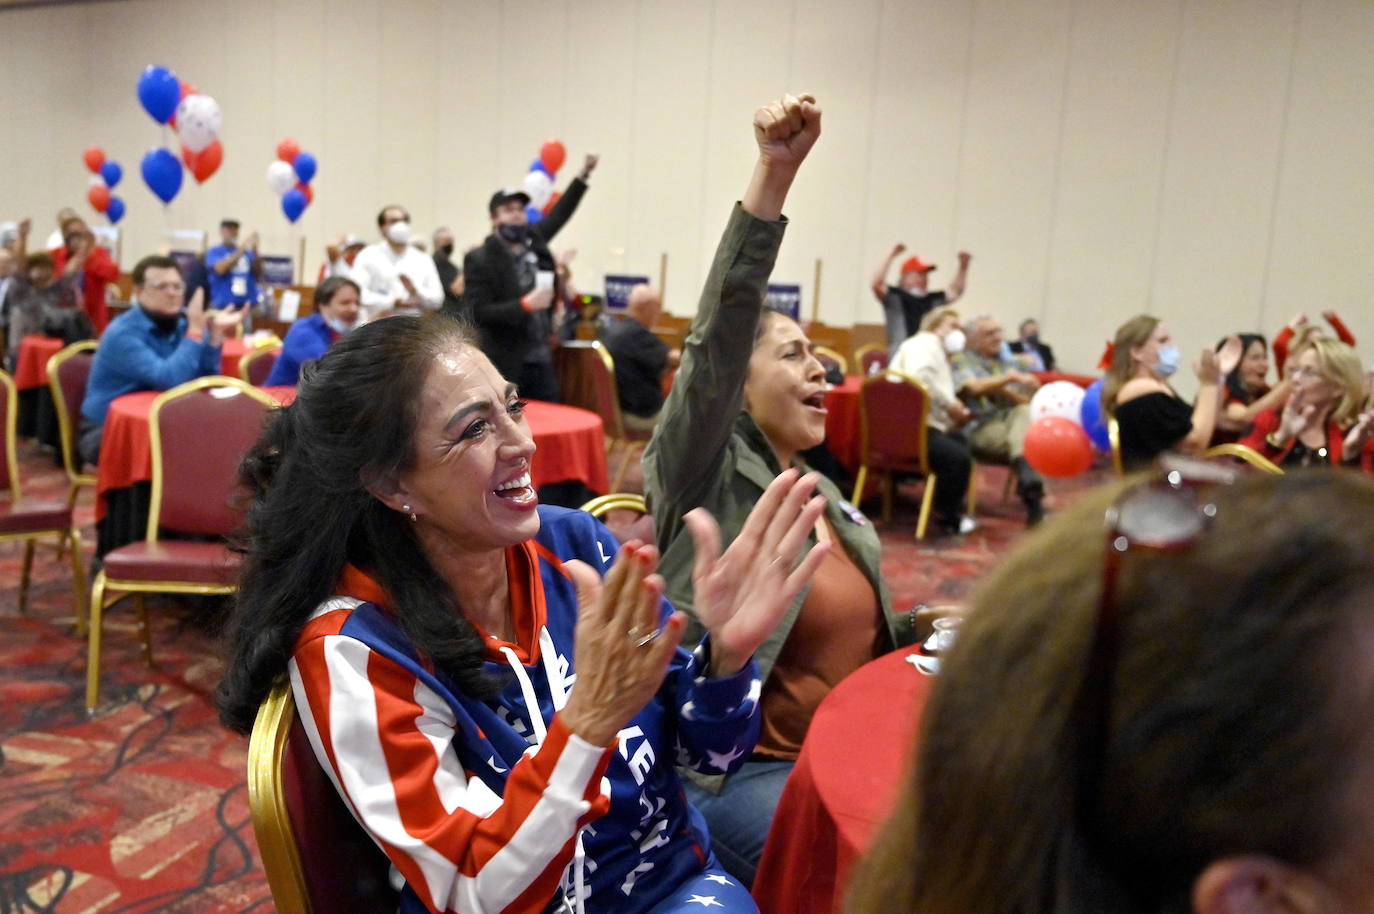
[(925, 356), (392, 274)]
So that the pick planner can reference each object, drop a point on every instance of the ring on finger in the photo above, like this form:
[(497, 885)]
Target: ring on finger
[(649, 638)]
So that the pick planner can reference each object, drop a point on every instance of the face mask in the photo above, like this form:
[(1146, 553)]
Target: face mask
[(1033, 339), (398, 232), (446, 251), (338, 325), (1169, 358), (513, 233), (954, 342)]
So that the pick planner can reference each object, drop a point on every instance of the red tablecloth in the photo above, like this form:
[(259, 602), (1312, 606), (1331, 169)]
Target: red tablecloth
[(31, 366), (571, 444), (842, 422), (845, 784), (233, 349)]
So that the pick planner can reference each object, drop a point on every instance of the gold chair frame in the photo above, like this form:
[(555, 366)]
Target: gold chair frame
[(1114, 437), (1248, 454), (68, 537), (138, 589), (602, 505), (281, 858), (832, 354), (71, 460), (257, 352), (864, 350)]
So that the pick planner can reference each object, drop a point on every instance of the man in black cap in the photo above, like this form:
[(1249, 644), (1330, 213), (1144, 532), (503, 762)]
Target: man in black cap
[(511, 283)]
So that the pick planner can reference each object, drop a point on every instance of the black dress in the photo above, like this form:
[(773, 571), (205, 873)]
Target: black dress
[(1149, 425)]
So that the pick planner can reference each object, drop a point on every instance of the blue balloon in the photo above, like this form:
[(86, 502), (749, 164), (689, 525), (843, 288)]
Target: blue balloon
[(162, 174), (305, 166), (538, 165), (115, 211), (533, 214), (159, 90), (293, 203), (1094, 421), (111, 173)]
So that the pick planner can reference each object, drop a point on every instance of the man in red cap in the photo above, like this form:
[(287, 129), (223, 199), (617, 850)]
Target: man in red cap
[(905, 304)]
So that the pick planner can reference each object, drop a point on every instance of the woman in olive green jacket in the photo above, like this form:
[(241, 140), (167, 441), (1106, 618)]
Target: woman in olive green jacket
[(748, 397)]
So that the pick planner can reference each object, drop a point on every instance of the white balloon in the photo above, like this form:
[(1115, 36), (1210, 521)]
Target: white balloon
[(281, 177), (198, 121), (1058, 398), (539, 186)]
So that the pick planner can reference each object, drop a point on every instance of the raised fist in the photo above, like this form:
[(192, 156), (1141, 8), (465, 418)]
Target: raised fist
[(786, 130)]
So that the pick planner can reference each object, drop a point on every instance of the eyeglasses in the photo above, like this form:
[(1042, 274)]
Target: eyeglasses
[(166, 286), (1168, 514)]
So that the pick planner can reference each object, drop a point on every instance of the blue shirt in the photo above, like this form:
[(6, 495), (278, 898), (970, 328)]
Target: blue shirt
[(306, 341), (235, 286), (135, 355)]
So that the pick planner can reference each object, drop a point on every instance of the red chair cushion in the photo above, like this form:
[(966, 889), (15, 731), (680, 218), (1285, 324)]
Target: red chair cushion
[(173, 560), (34, 517)]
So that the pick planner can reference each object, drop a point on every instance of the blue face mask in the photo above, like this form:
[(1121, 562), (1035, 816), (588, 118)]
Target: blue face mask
[(1169, 358)]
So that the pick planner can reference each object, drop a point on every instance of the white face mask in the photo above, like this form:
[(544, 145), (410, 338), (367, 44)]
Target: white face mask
[(338, 326), (954, 342), (398, 233)]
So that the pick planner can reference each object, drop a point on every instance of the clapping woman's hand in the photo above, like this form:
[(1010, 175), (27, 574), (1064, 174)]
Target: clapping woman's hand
[(742, 595), (622, 652)]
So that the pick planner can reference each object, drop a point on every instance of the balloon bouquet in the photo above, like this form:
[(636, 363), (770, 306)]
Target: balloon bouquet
[(195, 117), (106, 176), (289, 177), (539, 180), (1067, 422)]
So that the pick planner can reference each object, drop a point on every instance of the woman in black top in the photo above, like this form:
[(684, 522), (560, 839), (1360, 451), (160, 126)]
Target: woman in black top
[(1150, 415)]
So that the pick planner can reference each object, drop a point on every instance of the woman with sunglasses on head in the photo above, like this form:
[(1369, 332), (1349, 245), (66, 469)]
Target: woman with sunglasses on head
[(1326, 420), (1151, 416), (1168, 712), (748, 399)]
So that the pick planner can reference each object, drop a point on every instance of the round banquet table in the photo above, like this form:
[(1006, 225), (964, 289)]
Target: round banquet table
[(230, 353), (31, 363), (570, 445), (842, 422), (846, 782)]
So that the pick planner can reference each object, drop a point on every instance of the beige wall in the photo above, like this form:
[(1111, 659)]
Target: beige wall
[(1208, 160)]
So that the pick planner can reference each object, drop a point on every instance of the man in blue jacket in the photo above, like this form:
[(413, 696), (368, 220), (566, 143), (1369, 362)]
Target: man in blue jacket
[(152, 346)]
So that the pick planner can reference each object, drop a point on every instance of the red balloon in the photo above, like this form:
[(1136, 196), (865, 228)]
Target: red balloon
[(287, 150), (94, 157), (1058, 447), (99, 197), (305, 189), (205, 163), (552, 155), (553, 198)]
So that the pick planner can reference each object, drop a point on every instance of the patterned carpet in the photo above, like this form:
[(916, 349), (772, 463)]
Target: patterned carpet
[(144, 807)]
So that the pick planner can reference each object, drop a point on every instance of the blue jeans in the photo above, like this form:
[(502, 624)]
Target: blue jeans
[(739, 816)]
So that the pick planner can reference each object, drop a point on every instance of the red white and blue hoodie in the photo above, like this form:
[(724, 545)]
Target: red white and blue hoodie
[(495, 806)]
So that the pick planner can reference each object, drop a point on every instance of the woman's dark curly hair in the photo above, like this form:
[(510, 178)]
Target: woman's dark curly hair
[(310, 513)]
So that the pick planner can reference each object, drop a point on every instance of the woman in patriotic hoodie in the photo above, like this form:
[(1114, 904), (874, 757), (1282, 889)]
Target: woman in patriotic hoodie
[(496, 687)]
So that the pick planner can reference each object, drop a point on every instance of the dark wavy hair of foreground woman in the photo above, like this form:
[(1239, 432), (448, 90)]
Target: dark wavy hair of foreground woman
[(309, 512)]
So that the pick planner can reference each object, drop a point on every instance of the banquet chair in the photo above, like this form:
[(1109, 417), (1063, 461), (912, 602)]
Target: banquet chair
[(586, 378), (1248, 454), (867, 356), (257, 364), (611, 509), (68, 371), (303, 828), (194, 476), (29, 521), (893, 409), (829, 357)]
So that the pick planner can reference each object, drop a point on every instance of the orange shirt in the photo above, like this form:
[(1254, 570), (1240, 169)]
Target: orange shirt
[(838, 630)]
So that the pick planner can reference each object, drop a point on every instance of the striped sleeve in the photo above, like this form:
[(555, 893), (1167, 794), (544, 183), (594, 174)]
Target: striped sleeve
[(386, 740)]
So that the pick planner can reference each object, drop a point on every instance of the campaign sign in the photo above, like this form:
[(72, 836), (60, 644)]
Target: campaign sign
[(785, 297), (618, 291), (277, 270)]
